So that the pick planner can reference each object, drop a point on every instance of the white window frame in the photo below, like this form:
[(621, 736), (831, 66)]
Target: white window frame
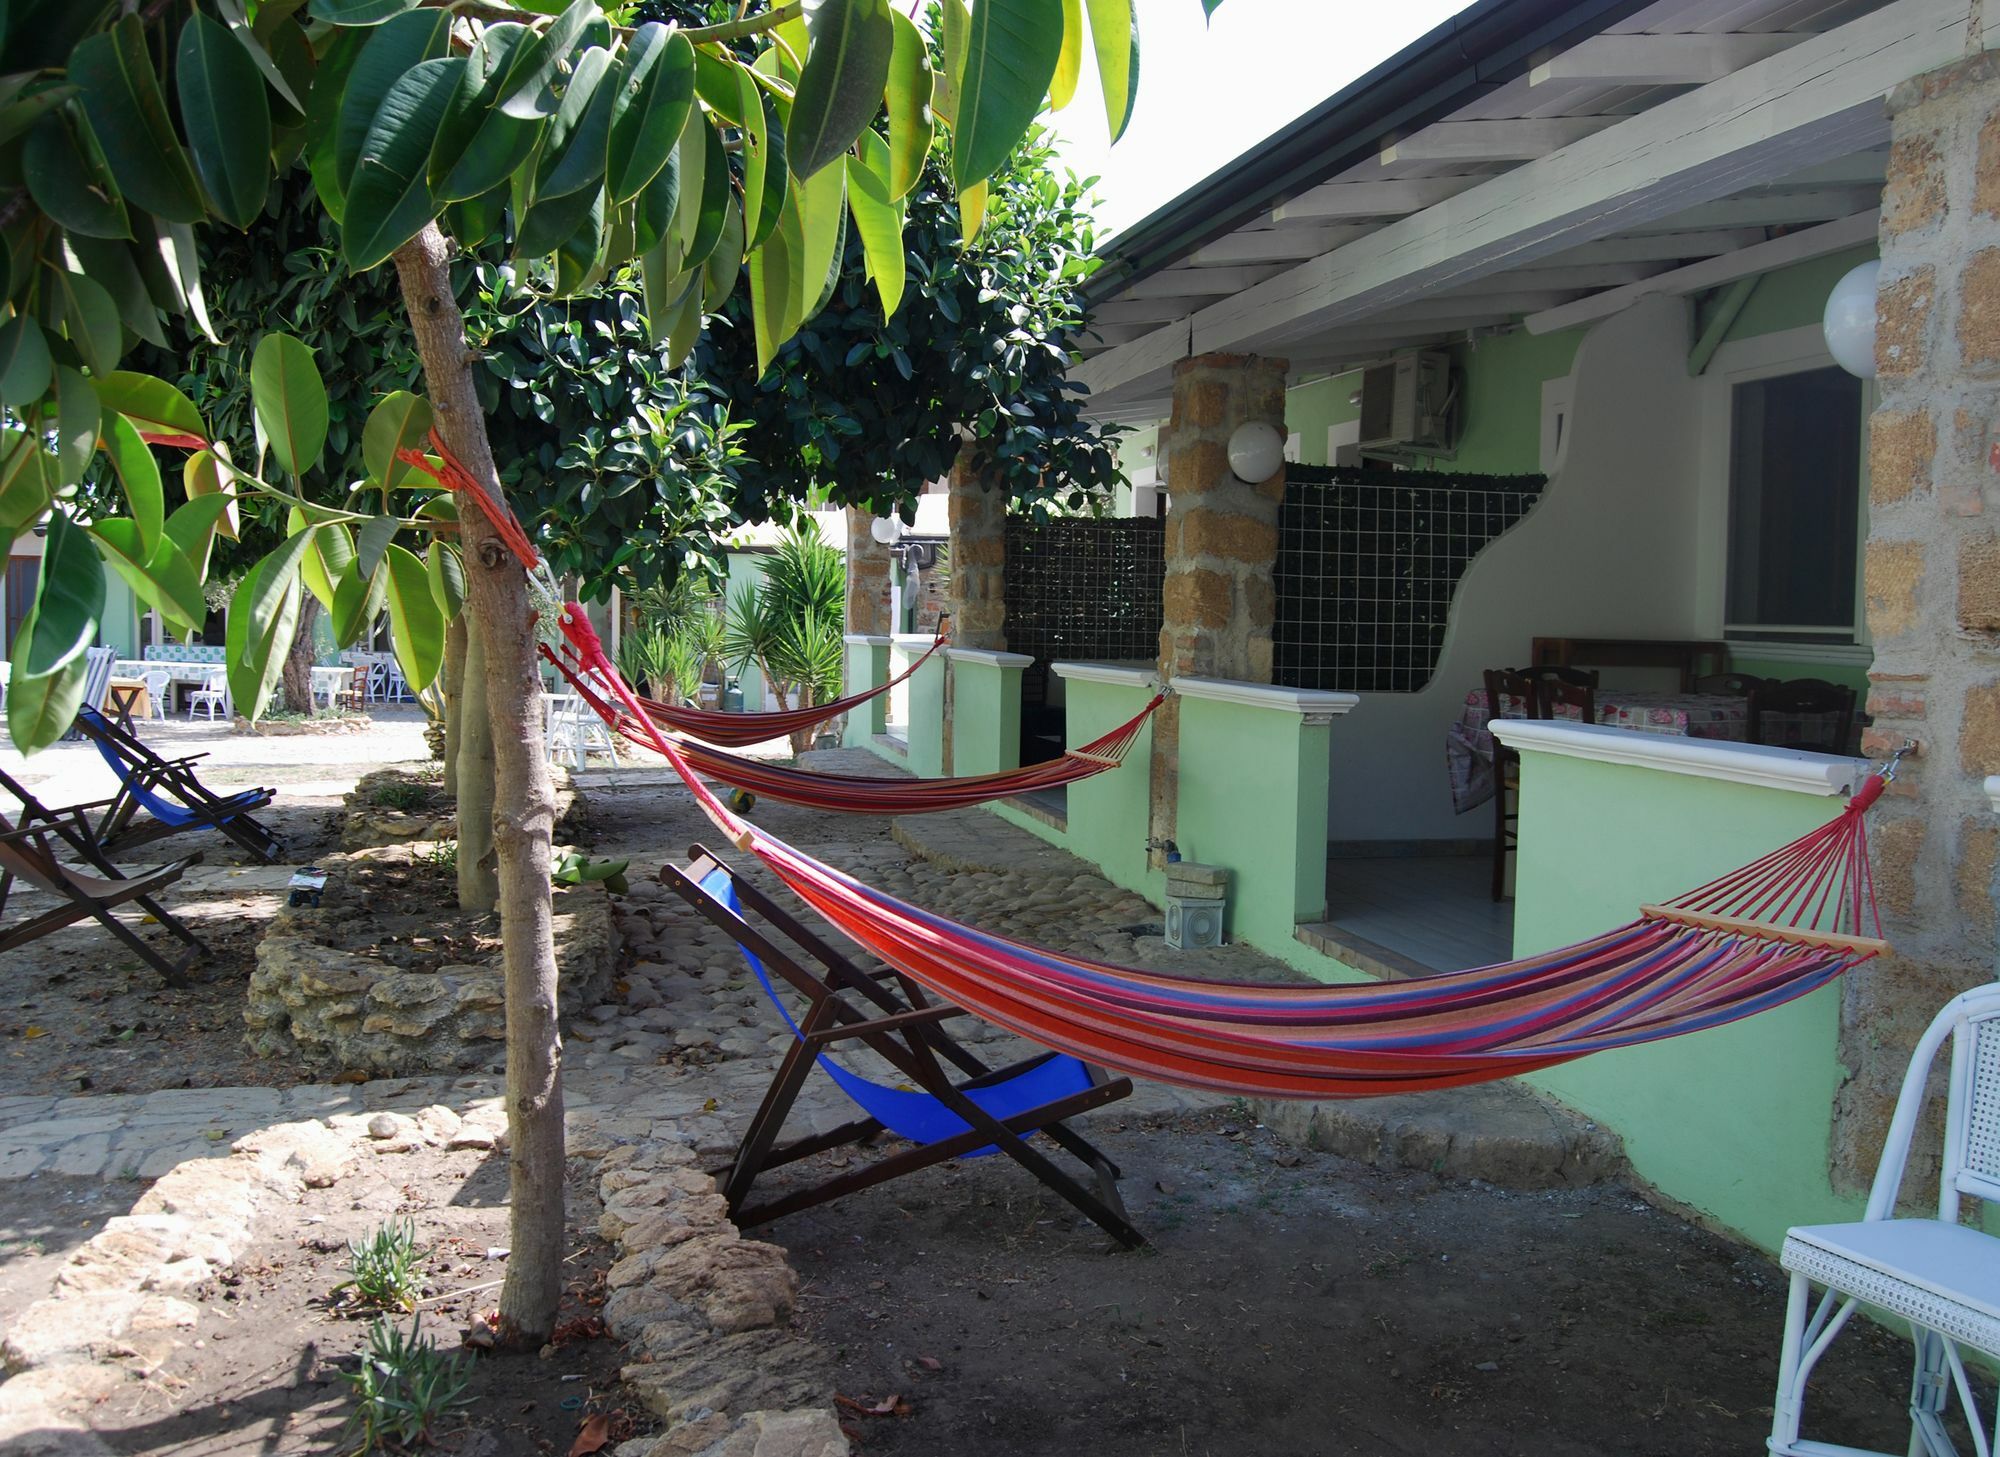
[(1766, 356)]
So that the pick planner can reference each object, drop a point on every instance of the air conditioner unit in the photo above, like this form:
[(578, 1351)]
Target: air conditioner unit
[(1408, 404)]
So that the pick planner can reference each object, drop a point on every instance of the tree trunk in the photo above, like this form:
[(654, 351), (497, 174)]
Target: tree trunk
[(478, 865), (299, 661), (523, 804), (452, 694)]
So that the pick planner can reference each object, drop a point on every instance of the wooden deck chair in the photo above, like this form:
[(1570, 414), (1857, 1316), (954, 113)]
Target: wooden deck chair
[(28, 854), (172, 797), (958, 1106)]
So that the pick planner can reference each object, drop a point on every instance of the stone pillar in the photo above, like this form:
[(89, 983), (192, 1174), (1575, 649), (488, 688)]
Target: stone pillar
[(867, 578), (978, 514), (1218, 601), (1932, 582)]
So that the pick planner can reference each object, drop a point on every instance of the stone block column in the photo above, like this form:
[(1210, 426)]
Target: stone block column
[(867, 578), (978, 516), (1218, 601), (1932, 583)]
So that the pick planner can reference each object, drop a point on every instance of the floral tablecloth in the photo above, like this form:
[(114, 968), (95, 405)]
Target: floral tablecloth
[(1468, 748)]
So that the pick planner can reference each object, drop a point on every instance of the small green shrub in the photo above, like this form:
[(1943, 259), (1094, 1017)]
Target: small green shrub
[(396, 795), (442, 855), (388, 1270), (405, 1390)]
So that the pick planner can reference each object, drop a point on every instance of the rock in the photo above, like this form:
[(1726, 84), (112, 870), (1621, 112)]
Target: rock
[(391, 1125), (317, 1154), (437, 1123), (472, 1135)]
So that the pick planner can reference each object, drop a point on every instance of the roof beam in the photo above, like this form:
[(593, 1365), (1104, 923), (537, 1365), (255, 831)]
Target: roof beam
[(1759, 258), (1657, 247), (1659, 60), (1189, 282), (1819, 100), (1287, 244), (1569, 277), (1774, 209), (1521, 139), (1153, 311), (1372, 199)]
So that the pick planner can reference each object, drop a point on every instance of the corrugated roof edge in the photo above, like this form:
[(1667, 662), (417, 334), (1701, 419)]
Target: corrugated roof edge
[(1484, 45)]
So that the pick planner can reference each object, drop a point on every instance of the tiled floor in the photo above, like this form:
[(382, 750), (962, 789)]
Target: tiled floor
[(1435, 910)]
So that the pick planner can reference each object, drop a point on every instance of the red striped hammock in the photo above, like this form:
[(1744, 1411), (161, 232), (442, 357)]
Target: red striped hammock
[(1756, 938), (742, 729), (855, 793), (1777, 929)]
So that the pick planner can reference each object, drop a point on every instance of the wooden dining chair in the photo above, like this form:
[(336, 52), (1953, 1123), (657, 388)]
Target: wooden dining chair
[(1803, 713), (1509, 694), (1729, 685), (1573, 702), (1554, 673)]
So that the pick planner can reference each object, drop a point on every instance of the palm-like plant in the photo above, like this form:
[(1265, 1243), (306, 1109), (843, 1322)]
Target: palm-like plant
[(789, 624)]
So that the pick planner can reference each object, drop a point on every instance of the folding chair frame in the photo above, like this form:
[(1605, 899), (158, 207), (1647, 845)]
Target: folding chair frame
[(123, 827), (79, 904), (889, 1013)]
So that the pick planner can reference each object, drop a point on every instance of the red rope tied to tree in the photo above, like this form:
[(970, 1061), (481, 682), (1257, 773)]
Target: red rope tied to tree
[(450, 473)]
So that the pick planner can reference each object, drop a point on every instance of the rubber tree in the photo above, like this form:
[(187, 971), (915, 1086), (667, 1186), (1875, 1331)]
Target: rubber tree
[(701, 157)]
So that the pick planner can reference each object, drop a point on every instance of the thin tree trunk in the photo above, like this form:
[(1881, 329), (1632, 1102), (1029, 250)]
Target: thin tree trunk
[(299, 661), (453, 695), (524, 808), (478, 860)]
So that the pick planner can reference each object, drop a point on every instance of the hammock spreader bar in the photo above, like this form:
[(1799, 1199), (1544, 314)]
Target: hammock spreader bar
[(1669, 972), (859, 794), (1796, 919)]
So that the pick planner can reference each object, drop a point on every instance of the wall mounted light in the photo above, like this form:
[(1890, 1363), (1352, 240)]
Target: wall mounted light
[(885, 529), (1256, 450), (1849, 322)]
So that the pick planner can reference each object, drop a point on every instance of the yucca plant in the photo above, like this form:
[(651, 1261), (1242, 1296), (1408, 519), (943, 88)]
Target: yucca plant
[(387, 1267), (789, 624), (405, 1390)]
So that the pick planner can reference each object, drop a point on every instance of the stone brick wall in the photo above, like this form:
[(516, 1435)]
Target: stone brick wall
[(1219, 602), (978, 597), (1932, 583), (867, 577)]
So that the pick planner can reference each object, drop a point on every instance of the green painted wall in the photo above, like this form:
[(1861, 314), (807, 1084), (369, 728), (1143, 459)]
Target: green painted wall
[(1311, 409), (926, 724), (1734, 1120), (1108, 813), (1256, 803), (867, 665), (119, 626), (985, 718), (1502, 378), (1794, 297)]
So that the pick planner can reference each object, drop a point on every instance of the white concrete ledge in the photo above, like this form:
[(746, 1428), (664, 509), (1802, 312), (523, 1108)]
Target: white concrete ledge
[(912, 642), (1265, 695), (1993, 792), (865, 640), (991, 657), (1122, 675), (1798, 770)]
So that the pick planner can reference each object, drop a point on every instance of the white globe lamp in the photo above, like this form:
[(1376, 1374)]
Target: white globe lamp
[(1850, 320), (1256, 450), (885, 529)]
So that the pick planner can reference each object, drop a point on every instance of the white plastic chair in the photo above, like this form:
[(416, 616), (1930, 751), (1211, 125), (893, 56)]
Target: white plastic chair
[(159, 683), (1940, 1276), (213, 696)]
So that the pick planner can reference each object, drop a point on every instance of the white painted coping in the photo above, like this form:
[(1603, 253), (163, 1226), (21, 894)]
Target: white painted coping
[(865, 639), (912, 642), (1119, 675), (1993, 792), (991, 657), (1264, 695), (1798, 770)]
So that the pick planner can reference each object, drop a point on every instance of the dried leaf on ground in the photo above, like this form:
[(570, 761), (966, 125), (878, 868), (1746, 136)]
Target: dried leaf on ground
[(591, 1436)]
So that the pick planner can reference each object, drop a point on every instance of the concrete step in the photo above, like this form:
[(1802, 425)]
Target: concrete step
[(1503, 1133)]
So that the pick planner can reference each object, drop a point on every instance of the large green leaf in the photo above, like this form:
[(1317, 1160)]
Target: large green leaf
[(878, 220), (290, 401), (1114, 38), (206, 474), (574, 145), (553, 222), (77, 415), (841, 88), (25, 366), (90, 320), (152, 404), (26, 483), (478, 145), (138, 477), (1069, 61), (1010, 57), (908, 95), (771, 273), (725, 260), (357, 601), (237, 17), (330, 559), (447, 573), (40, 710), (372, 541), (655, 210), (193, 527), (390, 53), (388, 199), (68, 180), (120, 94), (755, 140), (401, 421), (533, 86), (416, 622), (654, 91), (360, 12), (822, 225), (116, 264), (162, 577), (263, 616), (227, 116), (69, 603), (329, 84)]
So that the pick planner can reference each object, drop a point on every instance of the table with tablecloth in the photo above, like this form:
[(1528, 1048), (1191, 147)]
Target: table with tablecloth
[(1469, 746)]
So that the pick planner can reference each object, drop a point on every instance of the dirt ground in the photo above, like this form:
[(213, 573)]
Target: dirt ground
[(1295, 1304), (261, 1373)]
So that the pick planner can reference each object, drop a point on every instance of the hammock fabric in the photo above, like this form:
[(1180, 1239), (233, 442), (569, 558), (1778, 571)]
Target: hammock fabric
[(858, 794), (1748, 941)]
